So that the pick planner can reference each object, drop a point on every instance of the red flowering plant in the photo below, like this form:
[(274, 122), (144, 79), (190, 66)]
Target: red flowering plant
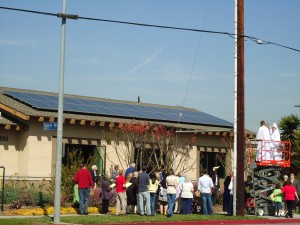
[(153, 145)]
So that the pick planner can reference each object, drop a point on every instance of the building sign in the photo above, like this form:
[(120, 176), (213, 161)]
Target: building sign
[(50, 126), (3, 138)]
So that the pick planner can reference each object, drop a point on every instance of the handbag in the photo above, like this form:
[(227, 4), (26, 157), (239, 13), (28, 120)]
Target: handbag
[(197, 194)]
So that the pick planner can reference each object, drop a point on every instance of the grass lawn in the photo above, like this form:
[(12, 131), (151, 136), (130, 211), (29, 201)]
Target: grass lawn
[(104, 219), (39, 220)]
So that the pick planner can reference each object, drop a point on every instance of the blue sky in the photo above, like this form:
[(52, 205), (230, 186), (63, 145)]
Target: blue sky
[(161, 66)]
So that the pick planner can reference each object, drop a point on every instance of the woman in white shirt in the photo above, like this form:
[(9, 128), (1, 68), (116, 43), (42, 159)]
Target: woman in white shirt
[(153, 186), (172, 183), (187, 196)]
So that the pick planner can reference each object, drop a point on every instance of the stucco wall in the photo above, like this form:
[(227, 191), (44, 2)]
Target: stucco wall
[(9, 154), (32, 153)]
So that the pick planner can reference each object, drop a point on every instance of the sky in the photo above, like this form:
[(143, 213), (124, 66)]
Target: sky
[(162, 66)]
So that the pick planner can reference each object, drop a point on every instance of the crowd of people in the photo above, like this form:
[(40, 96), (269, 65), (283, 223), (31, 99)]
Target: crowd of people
[(286, 196), (142, 193), (146, 194), (138, 192)]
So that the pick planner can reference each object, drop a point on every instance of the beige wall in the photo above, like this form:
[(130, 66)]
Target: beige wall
[(203, 142), (32, 154), (9, 154)]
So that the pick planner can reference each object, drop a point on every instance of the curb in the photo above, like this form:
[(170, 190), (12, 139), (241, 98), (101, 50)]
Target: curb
[(196, 222), (210, 222), (222, 222)]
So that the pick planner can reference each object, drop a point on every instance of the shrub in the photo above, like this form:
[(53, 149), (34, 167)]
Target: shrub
[(11, 194), (95, 199), (68, 172), (21, 193), (64, 199), (113, 197)]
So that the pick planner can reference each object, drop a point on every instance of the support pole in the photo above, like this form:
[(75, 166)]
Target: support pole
[(60, 120), (235, 109), (240, 111)]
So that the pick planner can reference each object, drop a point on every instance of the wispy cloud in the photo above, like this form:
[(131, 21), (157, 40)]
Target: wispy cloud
[(16, 42), (108, 78), (148, 60)]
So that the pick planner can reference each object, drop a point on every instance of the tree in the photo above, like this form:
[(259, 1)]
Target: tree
[(151, 145), (290, 131)]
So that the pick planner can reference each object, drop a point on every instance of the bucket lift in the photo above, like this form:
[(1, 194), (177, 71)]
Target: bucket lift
[(269, 157)]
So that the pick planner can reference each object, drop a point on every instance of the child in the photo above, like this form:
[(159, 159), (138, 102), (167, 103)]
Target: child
[(277, 198)]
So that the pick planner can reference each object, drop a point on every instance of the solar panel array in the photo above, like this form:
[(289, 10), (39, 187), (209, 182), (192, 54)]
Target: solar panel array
[(117, 109)]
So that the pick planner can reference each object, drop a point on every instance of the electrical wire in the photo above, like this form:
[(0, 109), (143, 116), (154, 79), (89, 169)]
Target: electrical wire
[(70, 16), (156, 26), (29, 11), (190, 77), (262, 42), (195, 58)]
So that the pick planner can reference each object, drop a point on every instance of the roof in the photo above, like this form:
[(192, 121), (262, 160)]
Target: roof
[(6, 121), (21, 109)]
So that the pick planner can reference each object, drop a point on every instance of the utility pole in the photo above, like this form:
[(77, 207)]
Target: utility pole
[(240, 111), (235, 109)]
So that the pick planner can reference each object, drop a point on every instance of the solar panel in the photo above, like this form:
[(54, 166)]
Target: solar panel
[(118, 109)]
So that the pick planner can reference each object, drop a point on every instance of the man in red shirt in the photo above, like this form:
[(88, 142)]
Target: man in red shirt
[(85, 182), (121, 194)]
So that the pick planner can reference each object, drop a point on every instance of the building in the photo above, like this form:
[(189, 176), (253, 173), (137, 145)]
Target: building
[(28, 135)]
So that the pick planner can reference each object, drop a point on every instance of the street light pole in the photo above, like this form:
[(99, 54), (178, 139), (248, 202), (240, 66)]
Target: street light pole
[(60, 119)]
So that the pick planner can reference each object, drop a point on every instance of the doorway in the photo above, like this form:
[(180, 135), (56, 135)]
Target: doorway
[(209, 160), (86, 151)]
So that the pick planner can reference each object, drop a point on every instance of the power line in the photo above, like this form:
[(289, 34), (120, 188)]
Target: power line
[(262, 42), (72, 16), (29, 11), (195, 57)]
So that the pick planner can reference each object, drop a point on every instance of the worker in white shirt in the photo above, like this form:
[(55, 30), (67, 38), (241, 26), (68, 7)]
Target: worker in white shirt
[(205, 186)]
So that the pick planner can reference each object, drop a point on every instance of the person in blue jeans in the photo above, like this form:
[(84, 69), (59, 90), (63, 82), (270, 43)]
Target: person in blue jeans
[(153, 186), (205, 185), (143, 193), (85, 182), (172, 183), (278, 199)]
